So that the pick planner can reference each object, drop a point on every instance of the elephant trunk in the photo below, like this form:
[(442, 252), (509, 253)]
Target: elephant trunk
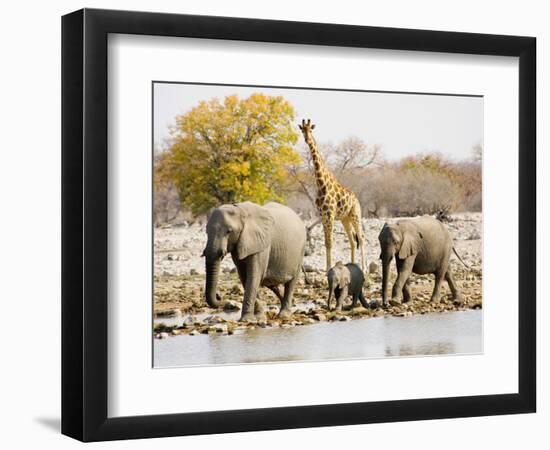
[(212, 274), (385, 278)]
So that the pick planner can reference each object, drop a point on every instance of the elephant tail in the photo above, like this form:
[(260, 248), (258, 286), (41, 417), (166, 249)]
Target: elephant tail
[(460, 259)]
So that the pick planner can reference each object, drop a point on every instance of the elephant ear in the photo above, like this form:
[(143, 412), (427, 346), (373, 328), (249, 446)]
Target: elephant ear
[(345, 278), (256, 233), (409, 245), (383, 232)]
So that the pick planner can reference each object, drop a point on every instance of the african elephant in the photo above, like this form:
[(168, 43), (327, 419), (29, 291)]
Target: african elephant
[(267, 246), (344, 280), (421, 245)]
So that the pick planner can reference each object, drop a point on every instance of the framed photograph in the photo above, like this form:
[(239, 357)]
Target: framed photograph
[(273, 224)]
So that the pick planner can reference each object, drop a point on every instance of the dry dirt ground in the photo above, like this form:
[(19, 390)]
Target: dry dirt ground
[(179, 280)]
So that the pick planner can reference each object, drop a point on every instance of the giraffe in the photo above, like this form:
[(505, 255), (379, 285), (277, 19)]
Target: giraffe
[(334, 202)]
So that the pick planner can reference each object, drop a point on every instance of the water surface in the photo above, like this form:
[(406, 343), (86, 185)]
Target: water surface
[(447, 333)]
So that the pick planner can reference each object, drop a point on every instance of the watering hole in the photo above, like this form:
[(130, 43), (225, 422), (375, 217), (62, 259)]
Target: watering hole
[(448, 333)]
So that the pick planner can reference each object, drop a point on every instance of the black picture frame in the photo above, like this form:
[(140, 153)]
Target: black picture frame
[(84, 224)]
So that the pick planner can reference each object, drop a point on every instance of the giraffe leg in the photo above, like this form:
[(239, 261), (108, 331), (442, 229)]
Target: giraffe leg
[(327, 227), (358, 229), (349, 231)]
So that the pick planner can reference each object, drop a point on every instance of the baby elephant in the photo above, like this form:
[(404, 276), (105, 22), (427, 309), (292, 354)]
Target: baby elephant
[(344, 280)]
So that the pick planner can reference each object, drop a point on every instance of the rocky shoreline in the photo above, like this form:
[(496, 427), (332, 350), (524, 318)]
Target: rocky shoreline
[(194, 318)]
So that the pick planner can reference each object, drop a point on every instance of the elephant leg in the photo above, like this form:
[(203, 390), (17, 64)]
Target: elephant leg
[(349, 232), (407, 291), (277, 291), (249, 302), (327, 228), (341, 298), (437, 286), (251, 287), (404, 270), (354, 300), (286, 302), (241, 271), (452, 285)]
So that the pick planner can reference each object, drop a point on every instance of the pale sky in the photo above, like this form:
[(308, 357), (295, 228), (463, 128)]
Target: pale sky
[(402, 124)]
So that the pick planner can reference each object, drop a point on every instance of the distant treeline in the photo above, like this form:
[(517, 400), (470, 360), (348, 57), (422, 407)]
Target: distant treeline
[(414, 185)]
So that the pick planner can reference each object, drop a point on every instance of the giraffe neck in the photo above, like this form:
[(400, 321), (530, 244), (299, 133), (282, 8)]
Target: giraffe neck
[(321, 172)]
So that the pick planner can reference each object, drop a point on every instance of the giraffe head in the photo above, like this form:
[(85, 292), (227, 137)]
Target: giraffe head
[(307, 127)]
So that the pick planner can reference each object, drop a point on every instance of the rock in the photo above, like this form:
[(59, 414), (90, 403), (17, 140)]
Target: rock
[(190, 319), (194, 333), (373, 267), (233, 270), (309, 268), (163, 335), (259, 309), (193, 272), (308, 321), (170, 257), (340, 318), (218, 328), (320, 317), (473, 236), (213, 320), (374, 304), (237, 289), (231, 305), (226, 270)]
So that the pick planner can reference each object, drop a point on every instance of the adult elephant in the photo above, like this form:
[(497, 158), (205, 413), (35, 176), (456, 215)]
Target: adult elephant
[(267, 246), (421, 245)]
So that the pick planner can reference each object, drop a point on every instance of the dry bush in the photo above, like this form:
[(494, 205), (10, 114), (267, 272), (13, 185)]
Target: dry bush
[(166, 204), (390, 192)]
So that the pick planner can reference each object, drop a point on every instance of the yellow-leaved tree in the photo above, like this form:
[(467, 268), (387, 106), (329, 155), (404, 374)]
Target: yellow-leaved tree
[(231, 151)]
